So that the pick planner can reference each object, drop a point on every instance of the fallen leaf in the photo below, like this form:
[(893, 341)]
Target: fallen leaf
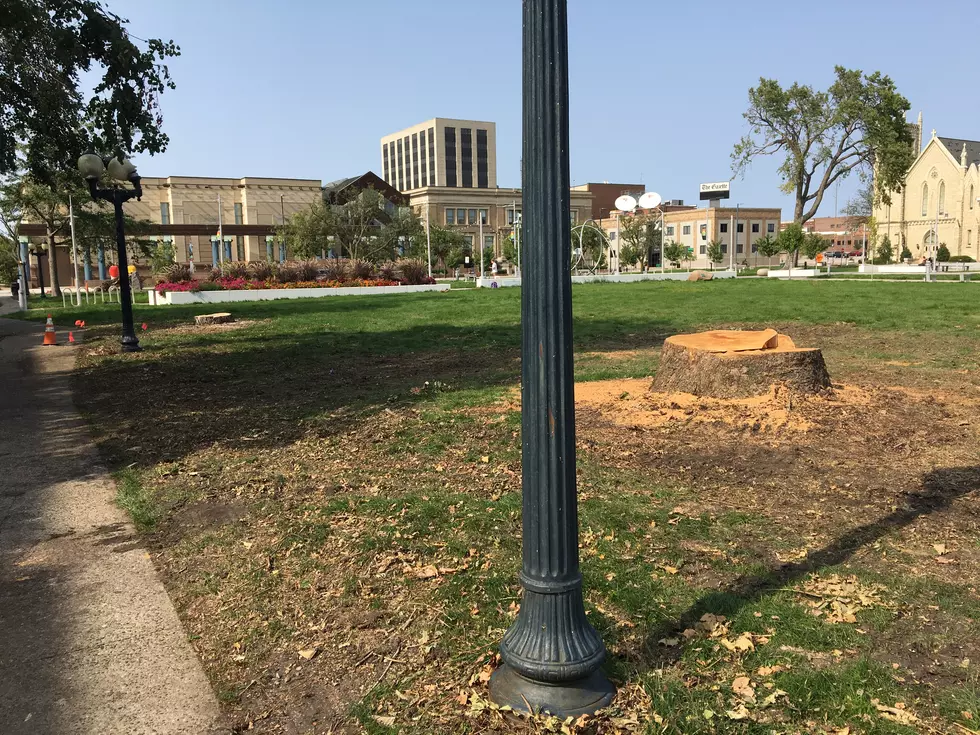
[(898, 713), (427, 572), (386, 720), (742, 687), (671, 642), (940, 549), (739, 713), (308, 653), (485, 459), (462, 698)]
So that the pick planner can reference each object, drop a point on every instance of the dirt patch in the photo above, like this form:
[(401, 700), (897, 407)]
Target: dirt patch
[(213, 328)]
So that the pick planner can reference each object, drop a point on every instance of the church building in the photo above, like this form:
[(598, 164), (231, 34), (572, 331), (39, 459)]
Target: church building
[(939, 203)]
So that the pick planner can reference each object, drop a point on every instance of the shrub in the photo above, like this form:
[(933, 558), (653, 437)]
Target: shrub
[(185, 285), (214, 274), (176, 272), (961, 259), (235, 269), (387, 272), (942, 254), (906, 253), (8, 265), (308, 270), (413, 272), (336, 269), (361, 270), (287, 273), (261, 271)]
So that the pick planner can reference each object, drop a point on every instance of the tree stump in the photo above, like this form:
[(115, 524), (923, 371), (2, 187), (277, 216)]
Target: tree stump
[(736, 364), (222, 317), (699, 276)]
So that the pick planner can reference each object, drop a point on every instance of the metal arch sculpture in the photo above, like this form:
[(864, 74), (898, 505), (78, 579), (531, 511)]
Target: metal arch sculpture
[(578, 258)]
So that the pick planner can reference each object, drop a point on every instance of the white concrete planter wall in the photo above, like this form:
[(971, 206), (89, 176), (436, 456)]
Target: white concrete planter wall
[(270, 294), (621, 278), (919, 270), (796, 273)]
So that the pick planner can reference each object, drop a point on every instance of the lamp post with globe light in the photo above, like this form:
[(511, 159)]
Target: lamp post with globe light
[(551, 654), (91, 167)]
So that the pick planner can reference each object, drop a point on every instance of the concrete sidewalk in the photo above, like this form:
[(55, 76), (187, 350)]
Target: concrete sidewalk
[(89, 639)]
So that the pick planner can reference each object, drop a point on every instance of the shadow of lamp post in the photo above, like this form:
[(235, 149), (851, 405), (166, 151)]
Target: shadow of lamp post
[(551, 654), (91, 167)]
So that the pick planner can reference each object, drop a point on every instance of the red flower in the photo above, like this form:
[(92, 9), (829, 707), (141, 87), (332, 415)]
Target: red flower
[(144, 326)]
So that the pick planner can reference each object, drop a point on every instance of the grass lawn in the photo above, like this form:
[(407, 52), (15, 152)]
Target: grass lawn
[(331, 490)]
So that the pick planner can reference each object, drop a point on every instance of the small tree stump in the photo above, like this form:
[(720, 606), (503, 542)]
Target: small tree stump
[(222, 317), (699, 276), (734, 364)]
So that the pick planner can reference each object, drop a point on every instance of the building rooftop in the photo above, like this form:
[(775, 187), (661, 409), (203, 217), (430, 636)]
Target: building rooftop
[(955, 147)]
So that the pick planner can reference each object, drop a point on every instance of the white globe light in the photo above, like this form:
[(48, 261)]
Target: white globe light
[(90, 166), (121, 170)]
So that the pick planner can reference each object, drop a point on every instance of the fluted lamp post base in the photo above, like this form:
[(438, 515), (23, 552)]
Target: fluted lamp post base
[(568, 699)]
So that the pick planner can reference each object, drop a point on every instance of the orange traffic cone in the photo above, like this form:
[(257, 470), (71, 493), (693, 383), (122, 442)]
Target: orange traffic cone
[(71, 338), (50, 338)]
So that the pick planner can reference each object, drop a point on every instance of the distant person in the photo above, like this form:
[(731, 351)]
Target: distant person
[(493, 268)]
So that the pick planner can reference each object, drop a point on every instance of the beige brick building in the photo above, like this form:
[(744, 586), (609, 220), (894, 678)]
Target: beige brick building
[(695, 228), (938, 204), (464, 209), (441, 152)]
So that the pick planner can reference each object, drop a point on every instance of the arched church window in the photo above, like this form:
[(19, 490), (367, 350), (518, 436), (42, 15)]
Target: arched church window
[(972, 199), (925, 199), (942, 197)]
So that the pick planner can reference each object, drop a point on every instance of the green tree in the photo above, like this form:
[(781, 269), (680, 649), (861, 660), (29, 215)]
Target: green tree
[(633, 238), (885, 251), (715, 254), (448, 246), (856, 125), (674, 253), (906, 253), (791, 241), (768, 247), (942, 254), (73, 79), (813, 243), (8, 262)]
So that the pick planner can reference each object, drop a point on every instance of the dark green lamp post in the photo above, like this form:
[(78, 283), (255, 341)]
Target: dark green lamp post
[(552, 654)]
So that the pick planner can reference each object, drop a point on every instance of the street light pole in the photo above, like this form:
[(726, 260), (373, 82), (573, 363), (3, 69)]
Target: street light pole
[(551, 654), (91, 167)]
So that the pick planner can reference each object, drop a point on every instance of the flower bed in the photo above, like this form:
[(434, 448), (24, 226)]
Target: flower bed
[(292, 291), (245, 284)]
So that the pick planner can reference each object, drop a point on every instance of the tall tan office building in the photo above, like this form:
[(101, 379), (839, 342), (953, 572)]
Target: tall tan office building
[(441, 152)]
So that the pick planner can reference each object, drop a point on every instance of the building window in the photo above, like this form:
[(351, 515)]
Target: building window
[(164, 213), (740, 227), (401, 168), (510, 215), (460, 216), (432, 157), (468, 240), (612, 236), (971, 196), (483, 216), (482, 160), (724, 248), (704, 249), (771, 227), (670, 230), (240, 246), (925, 199), (739, 247), (238, 213), (450, 216), (450, 156), (686, 230), (466, 157), (384, 162), (471, 217), (415, 160), (724, 227), (422, 159), (755, 228), (488, 242), (942, 197), (574, 216), (755, 248)]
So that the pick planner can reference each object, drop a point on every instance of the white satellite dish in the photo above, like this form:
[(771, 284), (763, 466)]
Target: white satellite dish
[(650, 200), (626, 203)]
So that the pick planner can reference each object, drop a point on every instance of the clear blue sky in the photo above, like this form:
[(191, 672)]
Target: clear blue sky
[(298, 88)]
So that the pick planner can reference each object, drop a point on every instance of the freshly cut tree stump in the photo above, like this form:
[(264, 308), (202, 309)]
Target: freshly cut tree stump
[(737, 364), (222, 317), (699, 276)]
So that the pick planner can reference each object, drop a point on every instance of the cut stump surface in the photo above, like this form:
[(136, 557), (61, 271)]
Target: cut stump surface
[(738, 364), (222, 317)]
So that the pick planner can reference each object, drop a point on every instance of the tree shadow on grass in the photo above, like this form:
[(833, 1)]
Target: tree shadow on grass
[(270, 389), (939, 489)]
